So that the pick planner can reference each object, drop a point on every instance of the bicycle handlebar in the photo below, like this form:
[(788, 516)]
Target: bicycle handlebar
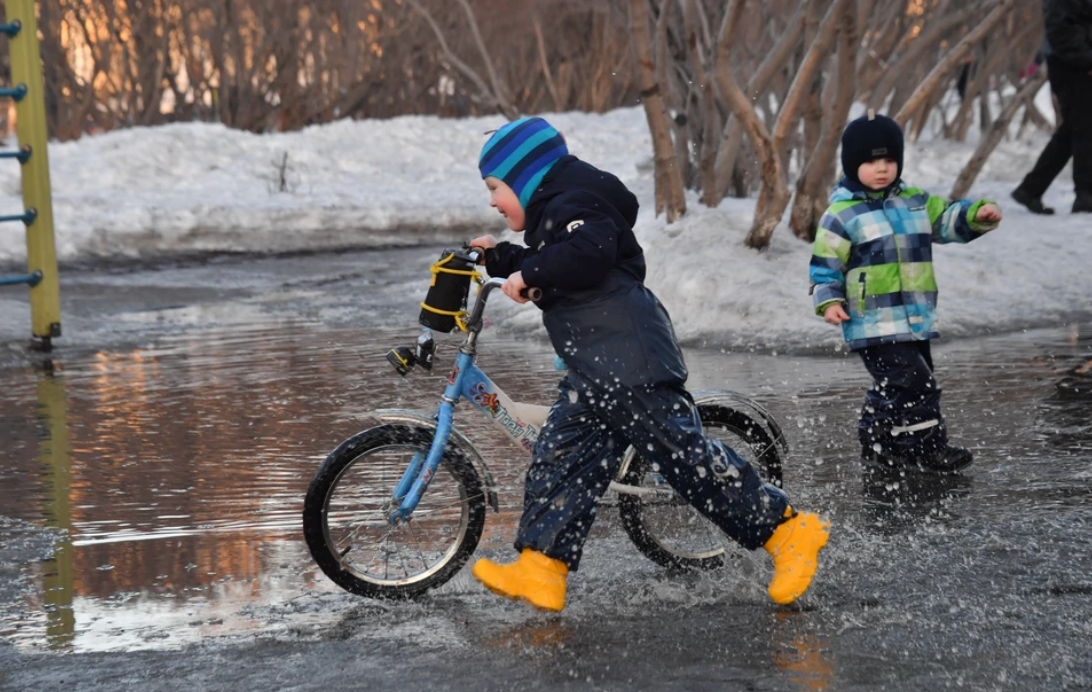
[(475, 319), (533, 293)]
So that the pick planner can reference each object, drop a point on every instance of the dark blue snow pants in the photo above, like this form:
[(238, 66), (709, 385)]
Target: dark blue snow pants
[(582, 445), (901, 414)]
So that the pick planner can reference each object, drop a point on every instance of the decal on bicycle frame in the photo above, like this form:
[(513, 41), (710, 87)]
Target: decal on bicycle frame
[(484, 396), (487, 400), (454, 374)]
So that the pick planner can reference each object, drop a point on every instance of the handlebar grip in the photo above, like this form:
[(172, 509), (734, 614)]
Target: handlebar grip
[(533, 293)]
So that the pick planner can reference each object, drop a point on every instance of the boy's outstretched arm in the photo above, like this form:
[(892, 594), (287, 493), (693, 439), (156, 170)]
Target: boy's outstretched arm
[(961, 221), (829, 256)]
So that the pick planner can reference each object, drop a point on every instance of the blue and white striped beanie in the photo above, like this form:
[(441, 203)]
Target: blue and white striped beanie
[(521, 154)]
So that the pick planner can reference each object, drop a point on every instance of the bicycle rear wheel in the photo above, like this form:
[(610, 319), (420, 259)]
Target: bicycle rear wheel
[(663, 525), (345, 515)]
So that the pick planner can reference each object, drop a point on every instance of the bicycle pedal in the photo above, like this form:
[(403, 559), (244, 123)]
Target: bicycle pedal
[(402, 358)]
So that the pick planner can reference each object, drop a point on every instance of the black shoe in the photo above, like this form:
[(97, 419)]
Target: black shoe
[(947, 460), (1083, 203), (1034, 204), (870, 454)]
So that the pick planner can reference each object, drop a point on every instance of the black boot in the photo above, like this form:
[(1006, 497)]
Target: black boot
[(1083, 203), (948, 459), (1033, 203), (870, 454)]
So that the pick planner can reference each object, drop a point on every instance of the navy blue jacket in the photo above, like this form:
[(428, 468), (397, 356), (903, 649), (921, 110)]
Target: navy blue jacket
[(602, 320)]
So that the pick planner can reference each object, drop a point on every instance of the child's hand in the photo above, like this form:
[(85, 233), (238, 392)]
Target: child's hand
[(485, 242), (988, 213), (835, 314), (513, 285)]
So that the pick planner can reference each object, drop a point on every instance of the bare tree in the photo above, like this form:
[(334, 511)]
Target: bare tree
[(934, 80), (993, 136), (669, 185), (775, 194), (810, 203), (740, 97), (495, 89)]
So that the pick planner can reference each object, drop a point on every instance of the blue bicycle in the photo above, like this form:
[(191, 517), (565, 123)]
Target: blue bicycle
[(399, 508)]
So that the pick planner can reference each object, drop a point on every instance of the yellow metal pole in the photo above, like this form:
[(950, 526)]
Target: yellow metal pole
[(26, 68), (60, 578)]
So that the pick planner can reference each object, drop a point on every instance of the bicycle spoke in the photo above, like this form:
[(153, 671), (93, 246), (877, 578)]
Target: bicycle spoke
[(417, 542), (353, 534), (375, 557)]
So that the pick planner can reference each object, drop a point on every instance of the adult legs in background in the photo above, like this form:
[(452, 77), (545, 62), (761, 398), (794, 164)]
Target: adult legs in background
[(1072, 138)]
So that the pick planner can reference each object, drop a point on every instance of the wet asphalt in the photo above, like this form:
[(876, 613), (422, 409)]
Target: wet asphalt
[(153, 467)]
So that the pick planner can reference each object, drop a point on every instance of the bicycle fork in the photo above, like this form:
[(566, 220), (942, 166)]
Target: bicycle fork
[(421, 469)]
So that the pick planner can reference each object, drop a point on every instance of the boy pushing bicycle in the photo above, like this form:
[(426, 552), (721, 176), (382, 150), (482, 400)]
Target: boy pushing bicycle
[(626, 379)]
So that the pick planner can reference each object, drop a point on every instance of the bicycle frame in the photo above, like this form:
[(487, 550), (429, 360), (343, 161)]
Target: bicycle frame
[(521, 422)]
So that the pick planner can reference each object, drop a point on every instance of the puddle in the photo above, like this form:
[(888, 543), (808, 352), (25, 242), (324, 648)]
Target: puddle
[(152, 494), (175, 474)]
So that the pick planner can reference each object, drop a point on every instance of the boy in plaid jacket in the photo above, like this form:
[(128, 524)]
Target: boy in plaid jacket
[(872, 273)]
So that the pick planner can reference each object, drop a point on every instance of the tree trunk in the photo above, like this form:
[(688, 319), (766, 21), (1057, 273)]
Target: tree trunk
[(810, 200), (545, 63), (732, 134), (813, 104), (743, 110), (925, 91), (907, 62), (707, 151), (668, 180), (997, 130), (775, 193), (497, 94)]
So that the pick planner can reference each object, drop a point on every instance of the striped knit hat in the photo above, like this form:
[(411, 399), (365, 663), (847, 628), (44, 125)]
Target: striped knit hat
[(521, 153)]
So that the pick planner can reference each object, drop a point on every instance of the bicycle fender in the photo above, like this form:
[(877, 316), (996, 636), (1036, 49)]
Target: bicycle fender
[(728, 399), (411, 417)]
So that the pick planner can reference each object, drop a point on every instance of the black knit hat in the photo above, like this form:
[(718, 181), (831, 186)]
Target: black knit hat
[(870, 137)]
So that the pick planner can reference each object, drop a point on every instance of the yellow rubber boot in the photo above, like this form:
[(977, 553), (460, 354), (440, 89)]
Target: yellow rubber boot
[(795, 547), (534, 577)]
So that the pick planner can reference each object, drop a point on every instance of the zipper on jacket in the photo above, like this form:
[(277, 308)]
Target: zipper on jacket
[(895, 237), (861, 293)]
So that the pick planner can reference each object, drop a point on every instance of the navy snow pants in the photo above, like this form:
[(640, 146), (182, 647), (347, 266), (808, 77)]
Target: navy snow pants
[(901, 413), (581, 448)]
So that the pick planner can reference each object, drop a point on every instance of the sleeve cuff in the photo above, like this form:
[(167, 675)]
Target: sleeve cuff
[(821, 308), (972, 212)]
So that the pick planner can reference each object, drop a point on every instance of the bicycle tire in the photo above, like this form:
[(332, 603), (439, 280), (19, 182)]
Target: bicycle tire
[(346, 510), (696, 543)]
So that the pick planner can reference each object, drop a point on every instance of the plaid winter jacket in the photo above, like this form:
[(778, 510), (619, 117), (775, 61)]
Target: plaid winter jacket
[(874, 254)]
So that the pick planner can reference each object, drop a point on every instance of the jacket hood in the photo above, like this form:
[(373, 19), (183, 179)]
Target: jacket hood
[(570, 174)]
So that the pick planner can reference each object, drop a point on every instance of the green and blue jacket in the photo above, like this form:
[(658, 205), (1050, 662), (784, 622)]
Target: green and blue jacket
[(874, 253)]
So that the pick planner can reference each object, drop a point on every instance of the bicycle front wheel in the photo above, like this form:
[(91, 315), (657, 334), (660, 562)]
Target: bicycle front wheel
[(345, 515), (663, 525)]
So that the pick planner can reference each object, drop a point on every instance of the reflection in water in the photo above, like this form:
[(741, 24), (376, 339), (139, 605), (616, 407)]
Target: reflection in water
[(177, 471), (899, 498), (535, 637), (1067, 413), (801, 653), (59, 577), (176, 474)]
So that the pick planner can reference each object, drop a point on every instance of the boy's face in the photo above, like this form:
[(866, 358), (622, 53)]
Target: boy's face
[(878, 173), (504, 200)]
